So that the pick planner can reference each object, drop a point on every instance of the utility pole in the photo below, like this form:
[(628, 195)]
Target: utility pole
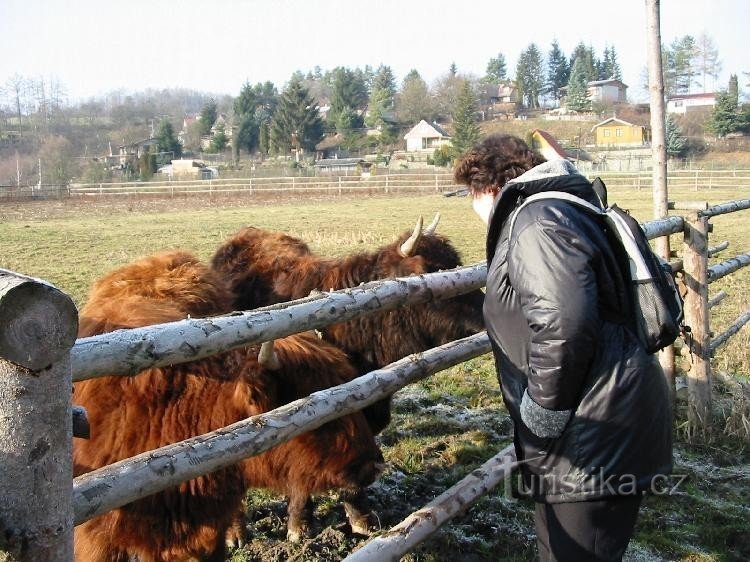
[(658, 148)]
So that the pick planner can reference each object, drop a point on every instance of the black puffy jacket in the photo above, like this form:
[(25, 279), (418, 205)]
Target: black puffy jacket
[(556, 311)]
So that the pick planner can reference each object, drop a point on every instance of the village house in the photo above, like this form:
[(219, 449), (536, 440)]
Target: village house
[(616, 132), (690, 102), (426, 136), (607, 91)]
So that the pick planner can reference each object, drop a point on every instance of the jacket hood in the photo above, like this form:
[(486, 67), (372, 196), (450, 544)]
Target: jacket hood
[(553, 175)]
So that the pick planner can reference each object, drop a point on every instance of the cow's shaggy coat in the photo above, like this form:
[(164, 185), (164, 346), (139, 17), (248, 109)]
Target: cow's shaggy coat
[(265, 267), (159, 406)]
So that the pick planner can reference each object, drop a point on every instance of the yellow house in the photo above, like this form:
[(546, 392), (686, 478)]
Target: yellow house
[(616, 132)]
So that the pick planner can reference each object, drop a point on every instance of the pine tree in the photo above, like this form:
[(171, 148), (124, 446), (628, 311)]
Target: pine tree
[(577, 93), (674, 138), (219, 141), (681, 64), (610, 68), (296, 123), (497, 70), (208, 116), (349, 95), (465, 127), (167, 141), (734, 88), (558, 71), (530, 75), (588, 61), (725, 117), (384, 81)]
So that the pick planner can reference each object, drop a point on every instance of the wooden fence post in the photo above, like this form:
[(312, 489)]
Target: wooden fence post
[(695, 259), (39, 325)]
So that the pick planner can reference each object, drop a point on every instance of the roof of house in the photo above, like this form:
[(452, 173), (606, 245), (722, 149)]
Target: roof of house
[(330, 141), (423, 129), (550, 140), (339, 162), (611, 81), (705, 95), (613, 120)]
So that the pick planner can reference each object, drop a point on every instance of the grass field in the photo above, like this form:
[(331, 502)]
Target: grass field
[(443, 427)]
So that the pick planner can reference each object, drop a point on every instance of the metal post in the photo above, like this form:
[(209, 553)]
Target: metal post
[(38, 326), (695, 258)]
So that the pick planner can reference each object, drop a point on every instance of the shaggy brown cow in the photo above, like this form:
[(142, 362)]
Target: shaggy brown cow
[(266, 267), (130, 415)]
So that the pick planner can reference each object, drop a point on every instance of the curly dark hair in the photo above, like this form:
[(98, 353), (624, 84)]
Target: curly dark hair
[(496, 160)]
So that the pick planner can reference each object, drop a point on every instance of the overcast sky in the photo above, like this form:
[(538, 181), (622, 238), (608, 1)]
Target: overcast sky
[(95, 46)]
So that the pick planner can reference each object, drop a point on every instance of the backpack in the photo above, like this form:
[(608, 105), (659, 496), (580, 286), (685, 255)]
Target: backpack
[(657, 304)]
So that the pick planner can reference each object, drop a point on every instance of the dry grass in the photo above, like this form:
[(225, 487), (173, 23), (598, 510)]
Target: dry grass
[(444, 426)]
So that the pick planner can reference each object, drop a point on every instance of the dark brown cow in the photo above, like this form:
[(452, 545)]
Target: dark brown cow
[(130, 415), (265, 267)]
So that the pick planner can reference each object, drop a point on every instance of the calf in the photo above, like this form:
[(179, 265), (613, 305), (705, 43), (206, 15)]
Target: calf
[(159, 406)]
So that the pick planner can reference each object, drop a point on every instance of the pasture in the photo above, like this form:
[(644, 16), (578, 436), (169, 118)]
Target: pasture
[(445, 426)]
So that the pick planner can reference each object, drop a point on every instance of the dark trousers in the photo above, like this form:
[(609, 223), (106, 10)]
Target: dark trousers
[(595, 531)]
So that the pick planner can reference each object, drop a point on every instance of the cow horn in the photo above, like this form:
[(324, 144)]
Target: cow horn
[(430, 230), (408, 247), (267, 356)]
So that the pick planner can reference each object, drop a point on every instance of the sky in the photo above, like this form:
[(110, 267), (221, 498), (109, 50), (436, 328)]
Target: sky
[(95, 46)]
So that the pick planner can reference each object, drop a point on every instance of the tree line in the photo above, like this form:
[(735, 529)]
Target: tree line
[(341, 101)]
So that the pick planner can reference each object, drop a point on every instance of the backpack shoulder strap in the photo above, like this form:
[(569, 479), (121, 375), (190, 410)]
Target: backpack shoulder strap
[(557, 195)]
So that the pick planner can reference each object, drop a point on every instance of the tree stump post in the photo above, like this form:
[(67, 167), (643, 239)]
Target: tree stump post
[(38, 326), (695, 258)]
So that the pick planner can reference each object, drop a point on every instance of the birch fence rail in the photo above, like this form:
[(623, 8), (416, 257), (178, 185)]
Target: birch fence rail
[(37, 353)]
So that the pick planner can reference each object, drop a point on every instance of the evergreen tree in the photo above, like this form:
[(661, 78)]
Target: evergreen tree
[(384, 81), (675, 140), (247, 133), (166, 139), (530, 75), (558, 71), (465, 127), (725, 117), (588, 61), (453, 70), (734, 89), (253, 108), (219, 141), (208, 116), (610, 68), (296, 123), (349, 95), (577, 93), (497, 70), (680, 65)]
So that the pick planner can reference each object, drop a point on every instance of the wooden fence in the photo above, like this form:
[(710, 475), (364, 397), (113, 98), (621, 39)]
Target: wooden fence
[(39, 359), (436, 182)]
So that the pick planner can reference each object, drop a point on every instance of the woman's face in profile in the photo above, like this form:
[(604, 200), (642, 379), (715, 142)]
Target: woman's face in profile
[(482, 204)]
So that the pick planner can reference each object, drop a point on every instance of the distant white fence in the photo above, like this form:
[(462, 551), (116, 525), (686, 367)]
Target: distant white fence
[(384, 183)]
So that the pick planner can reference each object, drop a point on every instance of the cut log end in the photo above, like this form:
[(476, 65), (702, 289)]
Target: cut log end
[(39, 322)]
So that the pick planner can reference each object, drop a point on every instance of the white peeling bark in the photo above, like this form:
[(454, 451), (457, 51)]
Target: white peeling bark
[(39, 324), (123, 482), (716, 272), (422, 524), (126, 352)]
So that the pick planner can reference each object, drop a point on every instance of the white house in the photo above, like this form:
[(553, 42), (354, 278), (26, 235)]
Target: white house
[(690, 102), (607, 91), (426, 136)]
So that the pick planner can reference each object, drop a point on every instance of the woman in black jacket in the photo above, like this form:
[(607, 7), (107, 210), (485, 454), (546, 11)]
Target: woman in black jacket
[(591, 409)]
